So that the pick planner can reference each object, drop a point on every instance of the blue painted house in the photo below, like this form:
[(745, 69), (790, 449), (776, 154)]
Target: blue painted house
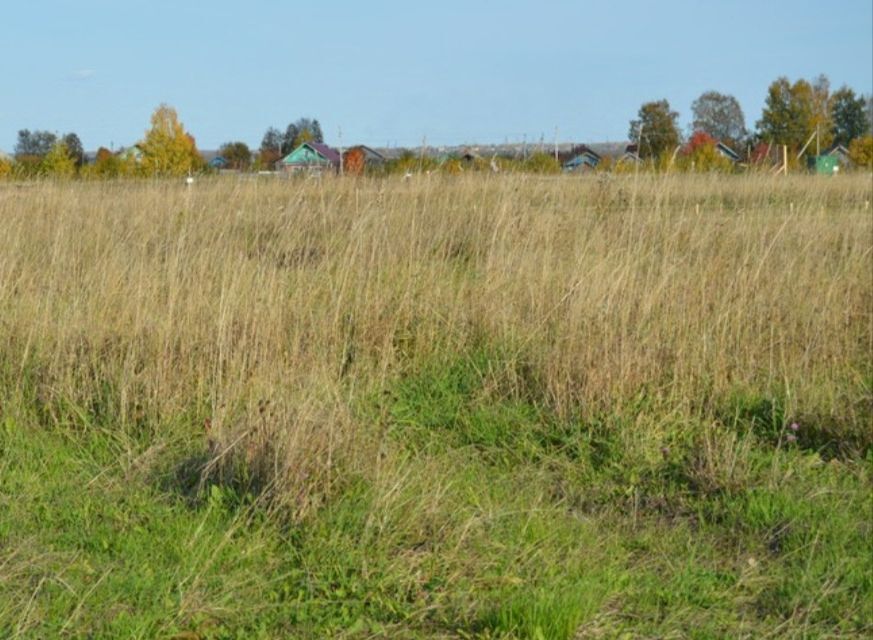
[(582, 158)]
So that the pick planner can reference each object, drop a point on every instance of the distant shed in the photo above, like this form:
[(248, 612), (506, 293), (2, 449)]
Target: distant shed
[(825, 165)]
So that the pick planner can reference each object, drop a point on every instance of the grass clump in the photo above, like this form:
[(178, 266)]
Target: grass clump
[(483, 399)]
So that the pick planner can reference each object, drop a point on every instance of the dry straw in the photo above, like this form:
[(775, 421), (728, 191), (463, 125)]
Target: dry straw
[(267, 310)]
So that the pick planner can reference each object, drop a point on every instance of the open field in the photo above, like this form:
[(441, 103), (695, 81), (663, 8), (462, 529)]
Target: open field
[(480, 407)]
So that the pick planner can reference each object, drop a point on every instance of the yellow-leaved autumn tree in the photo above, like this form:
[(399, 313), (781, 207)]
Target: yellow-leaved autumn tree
[(168, 150), (5, 166), (58, 163), (861, 152)]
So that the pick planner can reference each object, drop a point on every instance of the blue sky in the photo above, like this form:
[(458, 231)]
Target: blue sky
[(394, 72)]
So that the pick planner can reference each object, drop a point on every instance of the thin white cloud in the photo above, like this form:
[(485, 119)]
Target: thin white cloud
[(83, 74)]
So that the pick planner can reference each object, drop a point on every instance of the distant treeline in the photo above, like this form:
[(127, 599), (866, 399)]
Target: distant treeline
[(799, 120)]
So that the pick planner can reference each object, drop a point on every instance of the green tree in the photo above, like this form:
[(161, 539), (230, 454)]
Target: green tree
[(849, 117), (784, 120), (719, 116), (75, 148), (793, 112), (34, 143), (290, 139), (276, 144), (168, 150), (307, 130), (660, 133), (869, 111), (272, 141), (58, 163), (272, 145), (236, 154)]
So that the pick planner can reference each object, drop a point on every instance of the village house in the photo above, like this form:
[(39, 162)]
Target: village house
[(312, 157), (631, 154), (581, 158), (356, 159)]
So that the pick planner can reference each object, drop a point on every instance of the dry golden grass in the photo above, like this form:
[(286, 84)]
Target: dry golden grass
[(264, 311)]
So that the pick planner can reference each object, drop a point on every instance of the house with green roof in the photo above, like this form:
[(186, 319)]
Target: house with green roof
[(310, 156)]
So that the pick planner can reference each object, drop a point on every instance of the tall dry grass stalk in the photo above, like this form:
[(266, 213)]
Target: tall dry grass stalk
[(263, 311)]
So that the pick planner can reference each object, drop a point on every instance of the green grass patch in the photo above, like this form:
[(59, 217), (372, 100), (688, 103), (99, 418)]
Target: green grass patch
[(89, 547), (487, 517), (487, 400)]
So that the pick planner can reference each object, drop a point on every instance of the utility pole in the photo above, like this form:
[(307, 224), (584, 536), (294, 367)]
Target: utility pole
[(817, 141), (556, 143)]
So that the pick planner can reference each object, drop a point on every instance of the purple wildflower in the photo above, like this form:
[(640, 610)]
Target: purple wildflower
[(791, 438), (794, 427)]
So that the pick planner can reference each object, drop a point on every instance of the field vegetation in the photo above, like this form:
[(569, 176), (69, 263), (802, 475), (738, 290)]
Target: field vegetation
[(474, 406)]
